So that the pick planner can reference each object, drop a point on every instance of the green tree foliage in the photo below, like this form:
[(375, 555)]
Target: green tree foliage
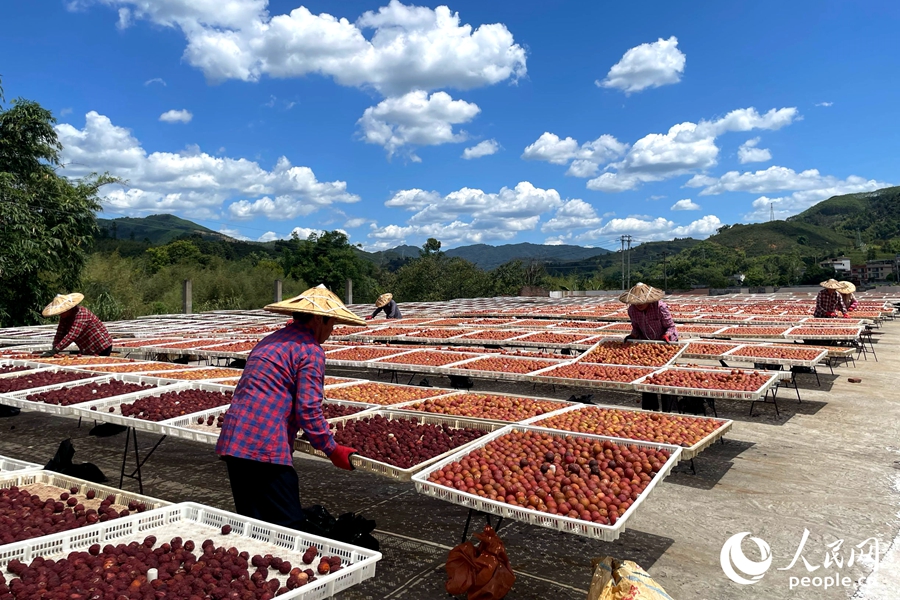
[(328, 258), (433, 276), (47, 222), (122, 287)]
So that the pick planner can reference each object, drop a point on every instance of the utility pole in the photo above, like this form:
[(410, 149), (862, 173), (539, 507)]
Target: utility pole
[(665, 274), (622, 239), (628, 239), (771, 211)]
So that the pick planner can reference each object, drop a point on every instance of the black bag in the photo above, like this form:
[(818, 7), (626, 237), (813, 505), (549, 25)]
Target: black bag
[(349, 528), (62, 463)]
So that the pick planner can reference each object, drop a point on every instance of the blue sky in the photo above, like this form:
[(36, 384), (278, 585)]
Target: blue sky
[(473, 122)]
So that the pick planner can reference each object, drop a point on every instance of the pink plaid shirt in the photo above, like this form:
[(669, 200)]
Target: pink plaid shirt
[(653, 323)]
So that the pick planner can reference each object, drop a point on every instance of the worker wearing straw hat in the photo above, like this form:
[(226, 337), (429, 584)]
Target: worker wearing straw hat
[(77, 325), (846, 290), (279, 394), (829, 303), (385, 302), (650, 320)]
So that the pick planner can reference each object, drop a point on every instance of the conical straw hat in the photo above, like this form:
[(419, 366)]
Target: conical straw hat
[(846, 287), (831, 284), (62, 303), (383, 300), (317, 301), (642, 294)]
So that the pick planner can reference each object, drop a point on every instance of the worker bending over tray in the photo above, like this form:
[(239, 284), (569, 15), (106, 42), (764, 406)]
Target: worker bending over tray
[(279, 394), (650, 320), (386, 303), (829, 302), (79, 325), (846, 290)]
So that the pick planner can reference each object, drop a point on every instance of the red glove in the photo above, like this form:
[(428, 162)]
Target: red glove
[(369, 318), (668, 338), (340, 457)]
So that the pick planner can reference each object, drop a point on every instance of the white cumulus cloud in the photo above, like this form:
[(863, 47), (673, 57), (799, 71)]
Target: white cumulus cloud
[(573, 214), (192, 182), (396, 49), (586, 158), (485, 148), (468, 215), (775, 179), (686, 204), (176, 116), (785, 206), (648, 65), (824, 104), (416, 119), (233, 233), (653, 229), (748, 152), (685, 148)]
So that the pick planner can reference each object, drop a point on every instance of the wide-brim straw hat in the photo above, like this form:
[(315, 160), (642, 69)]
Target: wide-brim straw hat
[(383, 300), (62, 303), (831, 284), (317, 301), (642, 294), (846, 287)]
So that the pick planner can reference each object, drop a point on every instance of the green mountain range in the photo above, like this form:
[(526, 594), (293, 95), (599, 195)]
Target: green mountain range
[(831, 227), (158, 229)]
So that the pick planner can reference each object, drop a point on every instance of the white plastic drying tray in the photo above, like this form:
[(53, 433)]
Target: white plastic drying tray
[(682, 345), (102, 414), (381, 468), (459, 368), (11, 465), (23, 478), (197, 522), (606, 533), (792, 362), (90, 377), (408, 406), (600, 384), (731, 346), (686, 453), (181, 427), (20, 398), (639, 386), (338, 386), (791, 335)]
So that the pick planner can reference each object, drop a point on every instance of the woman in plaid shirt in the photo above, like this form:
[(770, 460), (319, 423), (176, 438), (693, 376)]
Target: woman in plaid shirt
[(279, 395), (650, 320), (77, 325)]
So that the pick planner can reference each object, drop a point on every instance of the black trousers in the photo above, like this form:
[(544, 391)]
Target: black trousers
[(650, 402), (265, 491)]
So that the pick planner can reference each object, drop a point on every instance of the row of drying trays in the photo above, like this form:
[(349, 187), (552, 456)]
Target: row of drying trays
[(187, 520), (525, 369), (185, 427)]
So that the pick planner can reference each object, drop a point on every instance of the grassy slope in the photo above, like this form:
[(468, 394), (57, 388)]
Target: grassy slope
[(778, 237), (159, 229)]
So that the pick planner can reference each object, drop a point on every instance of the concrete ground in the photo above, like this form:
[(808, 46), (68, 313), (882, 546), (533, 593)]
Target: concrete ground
[(828, 465)]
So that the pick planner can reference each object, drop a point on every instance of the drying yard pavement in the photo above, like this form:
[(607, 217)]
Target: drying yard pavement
[(827, 466)]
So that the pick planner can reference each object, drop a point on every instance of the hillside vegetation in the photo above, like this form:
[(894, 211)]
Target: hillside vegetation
[(779, 237), (875, 215)]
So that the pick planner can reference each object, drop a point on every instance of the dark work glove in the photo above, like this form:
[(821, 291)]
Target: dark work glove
[(48, 354)]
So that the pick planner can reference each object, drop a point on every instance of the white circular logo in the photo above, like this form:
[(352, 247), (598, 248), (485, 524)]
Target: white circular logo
[(736, 565)]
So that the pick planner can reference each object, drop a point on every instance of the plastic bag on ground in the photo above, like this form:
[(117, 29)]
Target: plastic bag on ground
[(623, 580), (482, 573)]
